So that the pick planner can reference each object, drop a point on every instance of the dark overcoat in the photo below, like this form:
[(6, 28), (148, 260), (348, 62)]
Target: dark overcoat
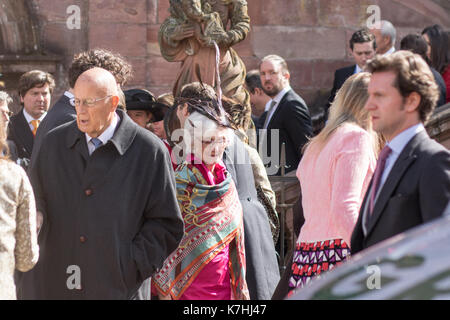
[(112, 217), (262, 274), (20, 133), (61, 112)]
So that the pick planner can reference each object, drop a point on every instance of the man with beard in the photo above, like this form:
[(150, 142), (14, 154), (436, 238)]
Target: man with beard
[(288, 119)]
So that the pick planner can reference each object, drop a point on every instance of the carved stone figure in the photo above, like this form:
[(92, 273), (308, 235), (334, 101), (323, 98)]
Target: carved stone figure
[(188, 36)]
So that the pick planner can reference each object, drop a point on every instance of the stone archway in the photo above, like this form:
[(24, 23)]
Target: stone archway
[(20, 49), (18, 27)]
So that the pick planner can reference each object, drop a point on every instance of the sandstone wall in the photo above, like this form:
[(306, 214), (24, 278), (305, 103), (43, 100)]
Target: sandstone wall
[(311, 34)]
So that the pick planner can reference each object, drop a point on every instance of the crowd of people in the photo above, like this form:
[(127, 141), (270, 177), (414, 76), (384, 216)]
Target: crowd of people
[(121, 194)]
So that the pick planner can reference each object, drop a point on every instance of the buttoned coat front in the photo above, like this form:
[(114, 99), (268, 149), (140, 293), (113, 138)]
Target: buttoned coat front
[(110, 219)]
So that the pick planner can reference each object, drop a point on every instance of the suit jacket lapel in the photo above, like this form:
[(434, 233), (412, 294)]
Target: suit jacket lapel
[(405, 159), (277, 110), (77, 140), (228, 161), (24, 133)]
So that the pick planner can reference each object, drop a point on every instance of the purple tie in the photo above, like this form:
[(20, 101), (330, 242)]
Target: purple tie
[(377, 175)]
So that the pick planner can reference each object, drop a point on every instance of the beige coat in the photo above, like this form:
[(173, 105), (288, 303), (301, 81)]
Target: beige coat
[(18, 239)]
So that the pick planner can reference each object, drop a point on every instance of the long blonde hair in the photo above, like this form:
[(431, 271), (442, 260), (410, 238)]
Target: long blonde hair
[(348, 107)]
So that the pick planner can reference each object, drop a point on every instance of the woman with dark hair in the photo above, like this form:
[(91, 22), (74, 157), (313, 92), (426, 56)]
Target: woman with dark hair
[(18, 237), (417, 44), (438, 52)]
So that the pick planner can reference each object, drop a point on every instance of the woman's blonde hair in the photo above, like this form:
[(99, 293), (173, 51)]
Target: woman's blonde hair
[(348, 107)]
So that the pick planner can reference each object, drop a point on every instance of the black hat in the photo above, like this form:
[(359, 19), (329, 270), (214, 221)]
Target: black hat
[(141, 99)]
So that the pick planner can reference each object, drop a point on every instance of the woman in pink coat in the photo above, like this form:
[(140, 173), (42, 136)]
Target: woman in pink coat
[(334, 174)]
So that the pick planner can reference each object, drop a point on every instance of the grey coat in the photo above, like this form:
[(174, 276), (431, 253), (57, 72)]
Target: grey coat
[(262, 266), (114, 214)]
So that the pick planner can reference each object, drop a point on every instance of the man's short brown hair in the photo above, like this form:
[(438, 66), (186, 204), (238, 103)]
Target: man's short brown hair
[(413, 75), (275, 59), (35, 78), (362, 36)]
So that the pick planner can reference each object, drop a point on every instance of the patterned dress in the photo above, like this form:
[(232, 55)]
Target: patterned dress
[(18, 240)]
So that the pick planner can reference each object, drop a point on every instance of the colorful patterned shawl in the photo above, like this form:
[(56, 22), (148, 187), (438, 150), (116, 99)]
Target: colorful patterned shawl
[(213, 219)]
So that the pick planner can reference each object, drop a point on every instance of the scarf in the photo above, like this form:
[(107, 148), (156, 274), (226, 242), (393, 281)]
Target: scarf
[(213, 219)]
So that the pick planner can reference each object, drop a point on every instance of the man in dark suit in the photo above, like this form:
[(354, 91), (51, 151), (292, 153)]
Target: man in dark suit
[(411, 183), (362, 49), (288, 119), (35, 89), (258, 98)]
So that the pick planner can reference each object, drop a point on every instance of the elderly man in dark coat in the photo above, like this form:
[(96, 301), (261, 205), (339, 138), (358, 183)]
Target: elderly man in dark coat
[(106, 191)]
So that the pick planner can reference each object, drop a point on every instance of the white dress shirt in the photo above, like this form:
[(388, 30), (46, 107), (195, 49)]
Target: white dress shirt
[(357, 69), (391, 50), (397, 145), (29, 118), (277, 99), (105, 136)]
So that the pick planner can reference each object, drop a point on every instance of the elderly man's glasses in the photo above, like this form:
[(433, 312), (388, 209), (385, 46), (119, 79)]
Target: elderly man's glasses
[(88, 102)]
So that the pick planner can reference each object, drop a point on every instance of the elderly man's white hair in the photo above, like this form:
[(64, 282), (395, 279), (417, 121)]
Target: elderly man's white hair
[(388, 29)]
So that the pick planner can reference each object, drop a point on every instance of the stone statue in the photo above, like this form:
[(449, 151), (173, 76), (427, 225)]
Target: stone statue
[(188, 35)]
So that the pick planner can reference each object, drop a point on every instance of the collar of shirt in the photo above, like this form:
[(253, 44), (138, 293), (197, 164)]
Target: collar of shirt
[(277, 99), (105, 136), (358, 69), (29, 118), (397, 145), (401, 140), (391, 50)]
